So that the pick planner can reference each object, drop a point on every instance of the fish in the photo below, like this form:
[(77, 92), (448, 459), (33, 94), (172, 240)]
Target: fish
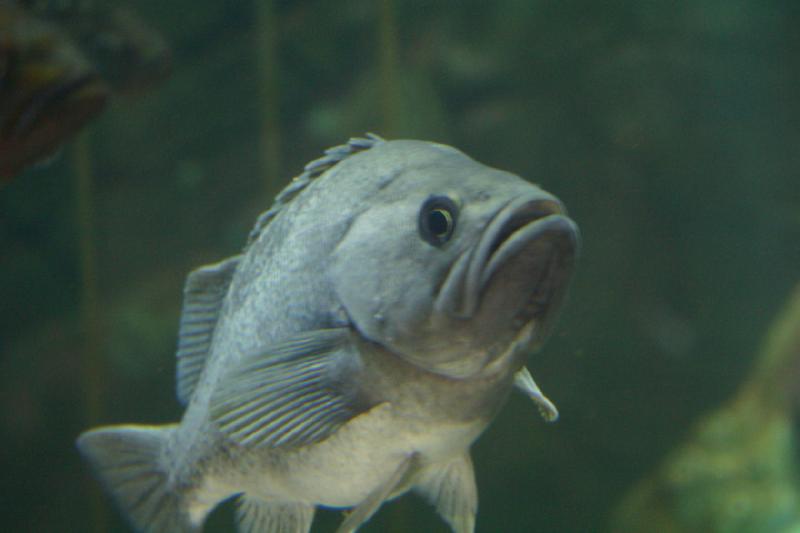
[(48, 90), (373, 325), (60, 62)]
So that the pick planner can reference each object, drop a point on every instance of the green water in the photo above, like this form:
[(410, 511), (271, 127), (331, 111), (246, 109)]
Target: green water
[(671, 130)]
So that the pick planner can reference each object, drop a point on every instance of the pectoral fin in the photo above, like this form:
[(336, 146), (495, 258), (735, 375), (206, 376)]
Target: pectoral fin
[(291, 394), (525, 383), (451, 488), (372, 503)]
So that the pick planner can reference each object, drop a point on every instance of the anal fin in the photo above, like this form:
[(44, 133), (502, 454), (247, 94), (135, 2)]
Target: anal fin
[(451, 488), (258, 516)]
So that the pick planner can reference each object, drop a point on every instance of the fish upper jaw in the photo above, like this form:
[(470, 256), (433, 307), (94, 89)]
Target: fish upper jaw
[(515, 224)]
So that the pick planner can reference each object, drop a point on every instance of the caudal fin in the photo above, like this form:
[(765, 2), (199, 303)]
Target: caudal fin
[(128, 460)]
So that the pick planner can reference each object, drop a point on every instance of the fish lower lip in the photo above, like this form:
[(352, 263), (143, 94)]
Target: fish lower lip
[(541, 298), (522, 294), (524, 281)]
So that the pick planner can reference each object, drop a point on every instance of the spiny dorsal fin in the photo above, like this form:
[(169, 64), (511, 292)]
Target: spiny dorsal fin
[(203, 293), (311, 171)]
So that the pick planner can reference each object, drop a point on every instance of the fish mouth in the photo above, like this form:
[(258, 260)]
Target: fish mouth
[(47, 116), (67, 102), (514, 279)]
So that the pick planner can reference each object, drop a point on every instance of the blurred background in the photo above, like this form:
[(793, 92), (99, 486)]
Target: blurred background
[(671, 130)]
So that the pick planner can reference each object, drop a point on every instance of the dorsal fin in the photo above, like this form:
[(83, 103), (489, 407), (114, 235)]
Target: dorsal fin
[(311, 171), (203, 293)]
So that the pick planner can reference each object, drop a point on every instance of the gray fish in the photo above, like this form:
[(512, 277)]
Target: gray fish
[(371, 329)]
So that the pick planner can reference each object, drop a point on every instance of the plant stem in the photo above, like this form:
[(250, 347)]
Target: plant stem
[(93, 366)]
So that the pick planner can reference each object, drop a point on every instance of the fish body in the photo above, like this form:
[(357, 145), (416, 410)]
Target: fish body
[(372, 328)]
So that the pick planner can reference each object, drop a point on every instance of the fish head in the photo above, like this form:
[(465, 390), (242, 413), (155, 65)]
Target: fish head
[(455, 266)]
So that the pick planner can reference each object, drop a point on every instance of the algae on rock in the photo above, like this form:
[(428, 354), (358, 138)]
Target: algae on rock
[(738, 469)]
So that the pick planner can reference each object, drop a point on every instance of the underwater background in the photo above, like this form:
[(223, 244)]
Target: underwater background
[(671, 130)]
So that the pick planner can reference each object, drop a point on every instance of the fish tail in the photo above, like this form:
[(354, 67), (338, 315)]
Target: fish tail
[(131, 463)]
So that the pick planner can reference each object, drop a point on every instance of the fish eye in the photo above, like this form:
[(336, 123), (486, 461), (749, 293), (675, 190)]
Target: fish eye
[(437, 220)]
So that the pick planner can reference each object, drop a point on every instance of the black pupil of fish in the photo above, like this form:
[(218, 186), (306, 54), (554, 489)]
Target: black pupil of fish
[(440, 222), (437, 220)]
